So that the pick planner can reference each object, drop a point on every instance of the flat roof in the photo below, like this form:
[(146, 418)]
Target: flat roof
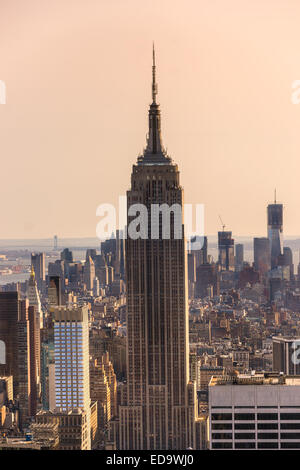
[(257, 379)]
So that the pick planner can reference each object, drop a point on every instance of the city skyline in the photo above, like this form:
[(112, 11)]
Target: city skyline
[(78, 91), (169, 132)]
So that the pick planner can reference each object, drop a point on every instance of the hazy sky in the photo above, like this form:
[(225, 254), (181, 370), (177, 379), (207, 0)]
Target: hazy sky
[(78, 78)]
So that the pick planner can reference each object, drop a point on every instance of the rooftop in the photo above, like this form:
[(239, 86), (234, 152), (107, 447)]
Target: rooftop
[(287, 339), (256, 379)]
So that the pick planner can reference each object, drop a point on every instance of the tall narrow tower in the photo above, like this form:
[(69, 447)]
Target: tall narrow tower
[(158, 409), (38, 264), (71, 351), (275, 224), (34, 298)]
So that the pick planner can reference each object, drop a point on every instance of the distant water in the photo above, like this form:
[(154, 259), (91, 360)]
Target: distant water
[(46, 244), (79, 246), (9, 278)]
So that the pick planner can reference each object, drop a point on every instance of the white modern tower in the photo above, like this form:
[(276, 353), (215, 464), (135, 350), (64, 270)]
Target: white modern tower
[(71, 352)]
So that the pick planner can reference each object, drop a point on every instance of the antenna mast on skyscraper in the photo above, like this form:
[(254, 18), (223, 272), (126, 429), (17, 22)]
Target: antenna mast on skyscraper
[(154, 85)]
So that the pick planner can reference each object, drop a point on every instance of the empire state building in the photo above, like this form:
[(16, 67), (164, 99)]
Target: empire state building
[(158, 405)]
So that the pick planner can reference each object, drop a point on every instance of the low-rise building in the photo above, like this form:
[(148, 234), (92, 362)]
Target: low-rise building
[(255, 411)]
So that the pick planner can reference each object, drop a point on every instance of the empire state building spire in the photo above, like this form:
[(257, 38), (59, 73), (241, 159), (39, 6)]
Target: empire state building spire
[(154, 152), (154, 84)]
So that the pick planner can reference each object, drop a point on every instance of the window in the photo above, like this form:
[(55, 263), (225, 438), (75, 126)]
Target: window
[(221, 417), (221, 445), (290, 416), (267, 445), (221, 436), (221, 426), (290, 445), (245, 445), (267, 426), (290, 426), (267, 435), (244, 416), (290, 435), (244, 426), (244, 435), (267, 416)]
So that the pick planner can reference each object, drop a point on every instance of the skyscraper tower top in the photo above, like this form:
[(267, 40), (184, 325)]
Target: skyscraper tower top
[(154, 153), (275, 229)]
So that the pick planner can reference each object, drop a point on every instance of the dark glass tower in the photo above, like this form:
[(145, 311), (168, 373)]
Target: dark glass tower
[(262, 257), (275, 223)]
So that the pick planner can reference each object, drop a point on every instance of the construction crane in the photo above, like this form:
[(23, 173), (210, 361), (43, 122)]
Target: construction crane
[(223, 225)]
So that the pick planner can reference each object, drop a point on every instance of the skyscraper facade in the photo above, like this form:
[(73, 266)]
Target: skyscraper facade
[(254, 411), (35, 360), (38, 265), (288, 260), (24, 363), (71, 352), (158, 409), (71, 357), (120, 252), (34, 298), (275, 224), (285, 353), (239, 256), (54, 290), (226, 251), (208, 280), (89, 273), (262, 255), (9, 316), (201, 254)]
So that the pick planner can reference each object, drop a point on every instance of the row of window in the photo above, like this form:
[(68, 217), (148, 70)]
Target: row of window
[(253, 407), (72, 403), (246, 426), (260, 435), (251, 416), (63, 366), (260, 445), (67, 325), (69, 387), (73, 341)]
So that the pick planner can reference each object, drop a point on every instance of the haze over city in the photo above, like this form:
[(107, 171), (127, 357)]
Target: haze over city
[(78, 79), (149, 236)]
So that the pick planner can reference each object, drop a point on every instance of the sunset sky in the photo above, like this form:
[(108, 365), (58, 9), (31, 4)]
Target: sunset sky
[(78, 79)]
